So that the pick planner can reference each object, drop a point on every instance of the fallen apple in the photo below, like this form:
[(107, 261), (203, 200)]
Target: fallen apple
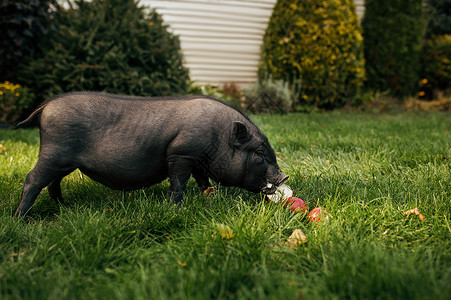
[(297, 205), (317, 214)]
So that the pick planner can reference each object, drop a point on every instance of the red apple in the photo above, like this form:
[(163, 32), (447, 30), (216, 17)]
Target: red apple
[(297, 205), (317, 214)]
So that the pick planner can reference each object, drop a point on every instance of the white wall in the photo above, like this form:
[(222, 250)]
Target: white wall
[(220, 39)]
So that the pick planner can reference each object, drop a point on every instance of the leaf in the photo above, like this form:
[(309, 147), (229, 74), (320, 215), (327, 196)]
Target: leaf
[(416, 212), (225, 231), (297, 238), (2, 148), (210, 190), (109, 271), (181, 264)]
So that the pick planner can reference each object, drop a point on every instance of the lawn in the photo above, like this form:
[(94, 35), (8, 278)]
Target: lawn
[(367, 170)]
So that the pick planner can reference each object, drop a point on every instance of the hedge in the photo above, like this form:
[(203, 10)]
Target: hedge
[(318, 43)]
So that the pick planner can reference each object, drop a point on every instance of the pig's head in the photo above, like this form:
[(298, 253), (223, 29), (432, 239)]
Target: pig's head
[(253, 163)]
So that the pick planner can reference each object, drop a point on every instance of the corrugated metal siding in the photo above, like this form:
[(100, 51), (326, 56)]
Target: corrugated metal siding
[(220, 39), (360, 8)]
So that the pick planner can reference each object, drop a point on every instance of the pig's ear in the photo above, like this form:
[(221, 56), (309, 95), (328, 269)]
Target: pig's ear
[(240, 134)]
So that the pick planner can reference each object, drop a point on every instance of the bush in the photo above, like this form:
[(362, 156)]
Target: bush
[(318, 42), (14, 100), (436, 66), (268, 96), (393, 33), (24, 23), (229, 92), (111, 46), (439, 17)]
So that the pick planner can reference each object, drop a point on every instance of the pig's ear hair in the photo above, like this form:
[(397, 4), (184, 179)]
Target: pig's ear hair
[(240, 134)]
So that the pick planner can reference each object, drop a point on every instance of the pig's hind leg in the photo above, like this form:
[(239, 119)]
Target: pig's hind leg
[(54, 189), (41, 176)]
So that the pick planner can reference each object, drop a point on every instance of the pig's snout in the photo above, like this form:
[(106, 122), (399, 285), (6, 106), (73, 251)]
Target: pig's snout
[(271, 188), (282, 179)]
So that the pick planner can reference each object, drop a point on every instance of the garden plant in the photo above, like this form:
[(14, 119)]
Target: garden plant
[(24, 25), (392, 34), (319, 44), (112, 46)]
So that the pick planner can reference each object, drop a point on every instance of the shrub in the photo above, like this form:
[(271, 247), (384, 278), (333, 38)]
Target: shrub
[(436, 66), (318, 42), (229, 92), (233, 93), (392, 36), (112, 46), (24, 23), (14, 100), (268, 96), (439, 17)]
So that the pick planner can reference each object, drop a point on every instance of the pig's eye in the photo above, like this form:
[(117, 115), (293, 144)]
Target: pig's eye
[(258, 157)]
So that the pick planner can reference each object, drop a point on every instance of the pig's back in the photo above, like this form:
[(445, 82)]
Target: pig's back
[(101, 111)]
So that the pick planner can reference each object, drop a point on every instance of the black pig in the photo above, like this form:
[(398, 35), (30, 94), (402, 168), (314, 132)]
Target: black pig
[(128, 143)]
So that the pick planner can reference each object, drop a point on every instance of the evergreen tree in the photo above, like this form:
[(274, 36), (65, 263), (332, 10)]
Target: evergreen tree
[(23, 24), (393, 31)]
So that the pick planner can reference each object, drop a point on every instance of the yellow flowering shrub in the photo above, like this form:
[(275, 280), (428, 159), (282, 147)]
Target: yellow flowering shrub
[(14, 99), (320, 43)]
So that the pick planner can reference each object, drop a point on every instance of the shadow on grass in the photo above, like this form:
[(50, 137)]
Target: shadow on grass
[(147, 211), (28, 136)]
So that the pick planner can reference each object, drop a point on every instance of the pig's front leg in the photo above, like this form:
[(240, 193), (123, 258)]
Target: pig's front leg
[(180, 169), (201, 178)]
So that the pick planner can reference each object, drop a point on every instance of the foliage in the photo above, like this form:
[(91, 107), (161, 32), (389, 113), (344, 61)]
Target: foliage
[(318, 42), (109, 45), (14, 99), (269, 95), (229, 92), (233, 93), (23, 24), (393, 32), (439, 17), (365, 169), (436, 66)]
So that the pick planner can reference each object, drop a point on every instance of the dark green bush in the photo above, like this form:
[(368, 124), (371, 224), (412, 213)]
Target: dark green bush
[(23, 24), (436, 66), (438, 17), (318, 42), (393, 32), (112, 46)]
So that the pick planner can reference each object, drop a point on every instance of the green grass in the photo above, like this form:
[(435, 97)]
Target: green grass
[(365, 169)]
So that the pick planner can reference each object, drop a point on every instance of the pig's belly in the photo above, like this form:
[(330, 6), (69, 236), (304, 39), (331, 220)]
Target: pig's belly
[(120, 176)]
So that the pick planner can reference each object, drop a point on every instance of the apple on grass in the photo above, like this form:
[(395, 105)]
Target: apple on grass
[(297, 205), (317, 214)]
